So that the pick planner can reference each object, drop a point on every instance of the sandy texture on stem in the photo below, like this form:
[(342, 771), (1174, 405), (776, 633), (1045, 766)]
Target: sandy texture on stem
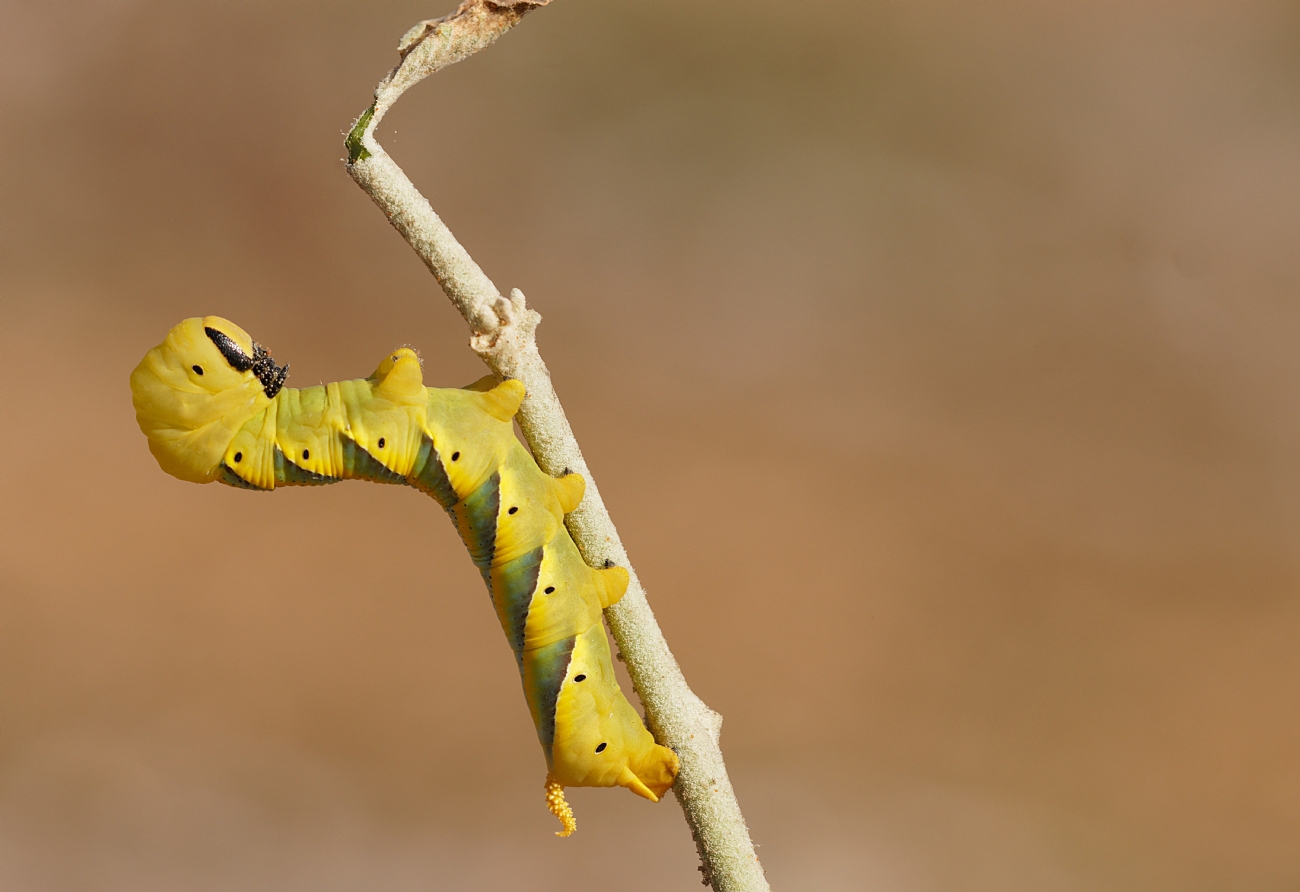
[(503, 335)]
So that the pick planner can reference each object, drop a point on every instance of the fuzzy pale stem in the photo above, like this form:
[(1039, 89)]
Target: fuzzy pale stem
[(502, 333)]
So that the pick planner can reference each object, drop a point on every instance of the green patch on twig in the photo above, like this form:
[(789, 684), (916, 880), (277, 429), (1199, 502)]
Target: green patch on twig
[(357, 151)]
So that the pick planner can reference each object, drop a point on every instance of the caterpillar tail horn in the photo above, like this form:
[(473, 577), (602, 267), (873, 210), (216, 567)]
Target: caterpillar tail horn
[(559, 807)]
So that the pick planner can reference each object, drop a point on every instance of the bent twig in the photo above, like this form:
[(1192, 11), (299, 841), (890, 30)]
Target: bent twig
[(502, 334)]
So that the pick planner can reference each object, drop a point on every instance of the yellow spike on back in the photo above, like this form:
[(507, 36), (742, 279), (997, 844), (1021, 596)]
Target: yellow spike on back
[(399, 377)]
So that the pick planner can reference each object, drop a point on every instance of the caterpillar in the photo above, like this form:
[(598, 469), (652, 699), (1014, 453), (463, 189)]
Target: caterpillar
[(212, 403)]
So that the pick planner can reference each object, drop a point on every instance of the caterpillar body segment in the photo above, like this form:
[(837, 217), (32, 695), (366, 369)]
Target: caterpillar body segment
[(213, 407)]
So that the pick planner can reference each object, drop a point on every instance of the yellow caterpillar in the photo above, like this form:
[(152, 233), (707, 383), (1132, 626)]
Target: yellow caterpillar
[(213, 406)]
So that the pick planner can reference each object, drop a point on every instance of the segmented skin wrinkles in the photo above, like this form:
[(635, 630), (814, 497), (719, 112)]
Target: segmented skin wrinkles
[(213, 406)]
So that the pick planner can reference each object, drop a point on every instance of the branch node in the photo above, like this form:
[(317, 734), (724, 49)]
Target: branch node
[(525, 319), (514, 327)]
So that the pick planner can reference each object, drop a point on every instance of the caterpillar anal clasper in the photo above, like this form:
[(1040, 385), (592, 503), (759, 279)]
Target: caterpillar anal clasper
[(213, 406)]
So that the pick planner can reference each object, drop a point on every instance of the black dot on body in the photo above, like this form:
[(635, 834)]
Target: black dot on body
[(512, 511), (549, 589), (239, 456), (381, 442), (455, 456), (198, 369), (306, 454), (601, 748), (579, 678)]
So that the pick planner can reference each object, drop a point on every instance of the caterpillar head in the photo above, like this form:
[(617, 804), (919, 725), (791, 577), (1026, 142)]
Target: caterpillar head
[(196, 389)]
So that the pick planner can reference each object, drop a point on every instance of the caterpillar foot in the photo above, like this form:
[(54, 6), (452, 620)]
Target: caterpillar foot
[(559, 807)]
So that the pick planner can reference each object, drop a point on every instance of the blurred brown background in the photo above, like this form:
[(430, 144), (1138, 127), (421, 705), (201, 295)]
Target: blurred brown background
[(936, 361)]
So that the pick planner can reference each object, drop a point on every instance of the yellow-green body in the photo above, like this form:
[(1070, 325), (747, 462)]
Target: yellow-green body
[(458, 445)]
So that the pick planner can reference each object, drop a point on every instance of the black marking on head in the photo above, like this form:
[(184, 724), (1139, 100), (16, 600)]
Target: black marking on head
[(198, 369), (579, 678), (238, 359), (260, 363), (601, 748)]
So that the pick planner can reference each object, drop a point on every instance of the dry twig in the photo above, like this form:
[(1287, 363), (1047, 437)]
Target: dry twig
[(502, 334)]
